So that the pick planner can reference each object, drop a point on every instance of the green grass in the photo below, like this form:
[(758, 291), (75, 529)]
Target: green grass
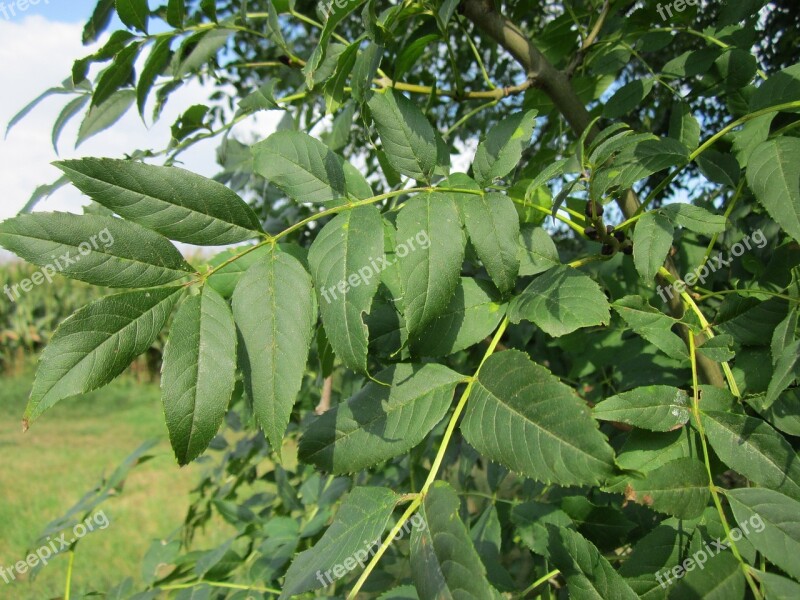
[(65, 453)]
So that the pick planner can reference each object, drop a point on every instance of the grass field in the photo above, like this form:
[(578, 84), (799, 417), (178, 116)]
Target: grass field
[(45, 471)]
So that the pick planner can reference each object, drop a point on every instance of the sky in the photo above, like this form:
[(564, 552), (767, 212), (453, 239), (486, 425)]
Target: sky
[(37, 49)]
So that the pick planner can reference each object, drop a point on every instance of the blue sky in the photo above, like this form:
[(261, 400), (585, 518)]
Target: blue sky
[(65, 11)]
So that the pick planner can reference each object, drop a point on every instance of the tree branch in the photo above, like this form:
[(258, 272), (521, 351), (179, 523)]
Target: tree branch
[(556, 84)]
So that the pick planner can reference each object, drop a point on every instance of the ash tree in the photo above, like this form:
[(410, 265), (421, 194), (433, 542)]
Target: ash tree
[(509, 305)]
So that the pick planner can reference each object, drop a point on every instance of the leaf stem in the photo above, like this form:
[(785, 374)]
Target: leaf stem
[(689, 301), (707, 144), (539, 582), (706, 459), (70, 565), (437, 463)]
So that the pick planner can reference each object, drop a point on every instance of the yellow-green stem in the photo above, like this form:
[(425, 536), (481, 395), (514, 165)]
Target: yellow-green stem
[(706, 459), (689, 301), (437, 463)]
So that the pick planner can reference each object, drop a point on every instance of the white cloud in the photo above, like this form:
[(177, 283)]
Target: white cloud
[(26, 154)]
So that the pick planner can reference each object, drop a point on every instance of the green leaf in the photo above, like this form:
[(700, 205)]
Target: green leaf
[(382, 420), (408, 138), (473, 314), (654, 407), (779, 88), (538, 252), (226, 278), (430, 272), (588, 574), (683, 126), (204, 46), (523, 417), (304, 168), (345, 265), (176, 13), (199, 373), (652, 325), (560, 301), (754, 449), (678, 487), (718, 348), (360, 522), (501, 151), (777, 587), (99, 118), (721, 578), (659, 550), (117, 75), (694, 218), (719, 168), (72, 108), (367, 63), (156, 63), (64, 89), (333, 89), (773, 176), (652, 239), (99, 250), (627, 98), (335, 13), (493, 227), (787, 369), (97, 343), (178, 204), (783, 335), (444, 562), (134, 13), (636, 161), (98, 22), (773, 525), (275, 312), (262, 99)]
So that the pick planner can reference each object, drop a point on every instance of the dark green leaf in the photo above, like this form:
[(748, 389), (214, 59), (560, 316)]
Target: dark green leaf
[(97, 343), (652, 240), (560, 301), (275, 312), (655, 407), (521, 416), (134, 13), (345, 261), (408, 138), (199, 373), (501, 151), (381, 421), (178, 204), (100, 250), (493, 227), (444, 563), (359, 524)]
